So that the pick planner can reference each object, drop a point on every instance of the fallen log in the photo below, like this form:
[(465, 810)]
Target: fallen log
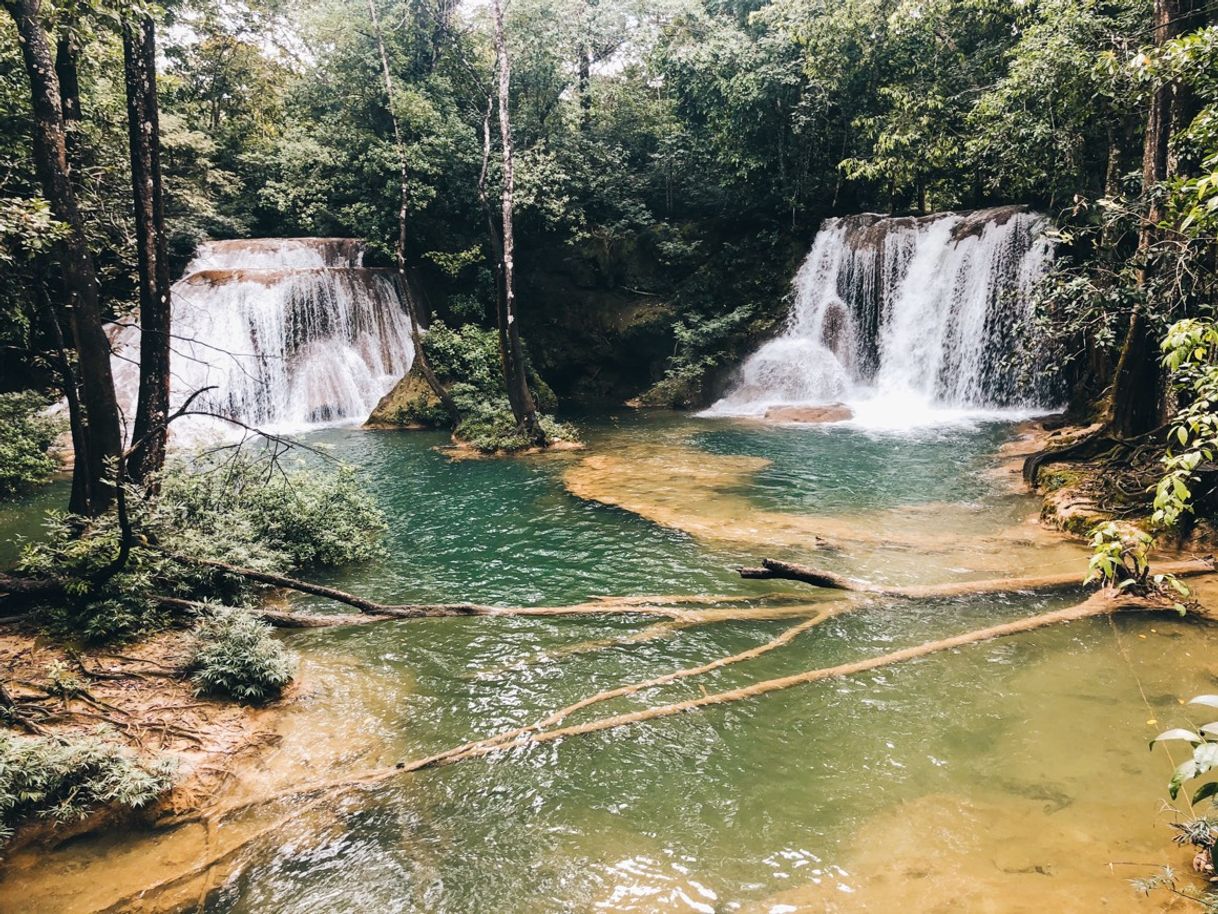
[(1100, 603), (599, 607), (276, 617), (790, 571)]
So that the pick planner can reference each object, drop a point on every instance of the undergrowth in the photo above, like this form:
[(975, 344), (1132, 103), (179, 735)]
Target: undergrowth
[(237, 656), (28, 436), (467, 361), (63, 779), (241, 511)]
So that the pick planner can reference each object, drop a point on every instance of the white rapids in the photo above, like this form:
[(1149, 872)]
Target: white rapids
[(291, 333), (907, 321)]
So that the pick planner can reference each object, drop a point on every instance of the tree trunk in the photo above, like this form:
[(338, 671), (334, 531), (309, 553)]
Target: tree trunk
[(93, 490), (69, 92), (399, 250), (585, 88), (151, 429), (1137, 385), (510, 349)]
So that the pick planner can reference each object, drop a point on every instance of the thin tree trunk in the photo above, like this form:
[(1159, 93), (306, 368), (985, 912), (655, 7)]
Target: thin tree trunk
[(1137, 387), (93, 491), (511, 351), (151, 430), (399, 250), (585, 88), (71, 390), (67, 73)]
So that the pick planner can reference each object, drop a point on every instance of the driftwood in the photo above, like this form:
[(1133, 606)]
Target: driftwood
[(277, 617), (309, 795), (1099, 603), (383, 611), (789, 571)]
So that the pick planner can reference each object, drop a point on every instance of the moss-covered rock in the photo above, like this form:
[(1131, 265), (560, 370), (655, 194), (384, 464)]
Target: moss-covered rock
[(411, 404), (466, 360)]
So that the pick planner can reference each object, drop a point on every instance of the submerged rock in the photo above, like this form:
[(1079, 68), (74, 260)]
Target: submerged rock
[(810, 415)]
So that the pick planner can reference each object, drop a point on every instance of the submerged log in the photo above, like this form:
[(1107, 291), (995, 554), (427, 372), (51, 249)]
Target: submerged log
[(1100, 603), (790, 571), (599, 607)]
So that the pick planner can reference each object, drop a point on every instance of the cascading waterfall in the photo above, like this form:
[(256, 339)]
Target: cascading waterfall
[(290, 332), (906, 319)]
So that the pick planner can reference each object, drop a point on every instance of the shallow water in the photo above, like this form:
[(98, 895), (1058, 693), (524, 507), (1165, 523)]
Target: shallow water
[(998, 777)]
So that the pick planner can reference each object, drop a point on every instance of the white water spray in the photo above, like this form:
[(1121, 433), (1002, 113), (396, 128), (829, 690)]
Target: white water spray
[(292, 333), (908, 321)]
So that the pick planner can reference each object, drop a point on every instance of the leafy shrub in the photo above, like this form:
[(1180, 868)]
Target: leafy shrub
[(28, 436), (703, 344), (489, 425), (63, 780), (233, 512), (236, 655), (309, 517), (467, 360)]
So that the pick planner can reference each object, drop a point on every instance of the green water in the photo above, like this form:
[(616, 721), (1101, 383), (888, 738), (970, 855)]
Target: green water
[(718, 811)]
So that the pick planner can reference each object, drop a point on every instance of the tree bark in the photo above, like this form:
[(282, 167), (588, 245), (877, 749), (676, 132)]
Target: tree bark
[(399, 250), (67, 72), (791, 571), (515, 373), (585, 88), (1137, 386), (151, 429), (93, 489)]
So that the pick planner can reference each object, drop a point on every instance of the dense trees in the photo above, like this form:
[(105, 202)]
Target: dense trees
[(670, 157)]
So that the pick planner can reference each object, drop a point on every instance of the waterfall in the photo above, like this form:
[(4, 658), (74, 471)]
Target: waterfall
[(291, 333), (906, 319)]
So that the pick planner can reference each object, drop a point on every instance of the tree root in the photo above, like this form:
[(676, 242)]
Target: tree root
[(794, 572)]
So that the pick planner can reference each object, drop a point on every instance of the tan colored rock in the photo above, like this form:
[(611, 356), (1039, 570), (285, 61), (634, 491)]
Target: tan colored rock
[(810, 415)]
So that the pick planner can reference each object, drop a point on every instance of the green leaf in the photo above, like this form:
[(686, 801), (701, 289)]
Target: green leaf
[(1205, 791), (1186, 770), (1178, 733)]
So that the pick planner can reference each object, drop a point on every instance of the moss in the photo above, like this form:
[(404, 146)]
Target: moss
[(1058, 476)]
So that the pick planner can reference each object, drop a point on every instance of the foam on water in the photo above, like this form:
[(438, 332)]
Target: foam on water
[(290, 333), (911, 322)]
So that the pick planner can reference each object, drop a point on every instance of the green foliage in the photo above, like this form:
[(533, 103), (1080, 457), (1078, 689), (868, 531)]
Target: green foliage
[(1119, 557), (241, 510), (64, 779), (1189, 351), (236, 655), (466, 359), (490, 427), (27, 437), (702, 343), (1204, 758)]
